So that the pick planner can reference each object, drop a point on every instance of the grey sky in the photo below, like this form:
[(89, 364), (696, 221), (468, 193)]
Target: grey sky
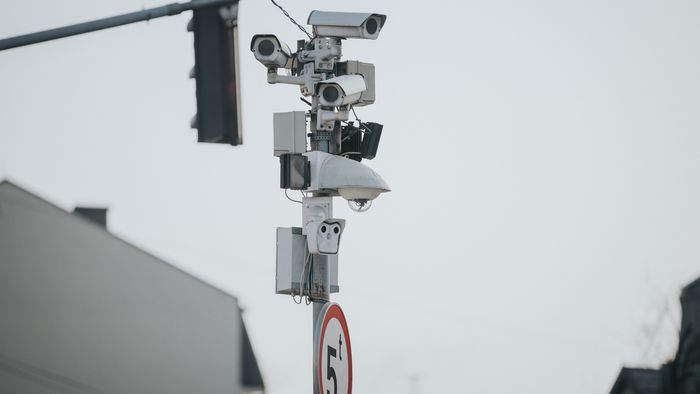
[(544, 159)]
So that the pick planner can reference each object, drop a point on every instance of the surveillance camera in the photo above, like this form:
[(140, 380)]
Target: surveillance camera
[(321, 230), (347, 24), (341, 90), (323, 237), (270, 51), (344, 177)]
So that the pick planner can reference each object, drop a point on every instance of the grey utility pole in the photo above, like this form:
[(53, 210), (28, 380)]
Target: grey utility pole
[(106, 23)]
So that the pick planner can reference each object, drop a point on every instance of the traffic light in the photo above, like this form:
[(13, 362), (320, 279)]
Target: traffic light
[(216, 72)]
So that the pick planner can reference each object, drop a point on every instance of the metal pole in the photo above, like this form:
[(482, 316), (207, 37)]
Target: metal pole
[(321, 294), (106, 23)]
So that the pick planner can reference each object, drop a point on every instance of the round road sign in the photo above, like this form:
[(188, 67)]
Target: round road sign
[(332, 356)]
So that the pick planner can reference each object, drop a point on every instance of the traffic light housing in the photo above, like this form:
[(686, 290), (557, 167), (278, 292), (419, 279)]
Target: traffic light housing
[(216, 73)]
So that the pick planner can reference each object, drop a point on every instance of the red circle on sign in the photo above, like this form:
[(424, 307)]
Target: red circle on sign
[(334, 311)]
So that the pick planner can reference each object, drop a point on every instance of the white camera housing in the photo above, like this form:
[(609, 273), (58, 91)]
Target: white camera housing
[(340, 176), (322, 231), (270, 51), (324, 237), (342, 90), (346, 24)]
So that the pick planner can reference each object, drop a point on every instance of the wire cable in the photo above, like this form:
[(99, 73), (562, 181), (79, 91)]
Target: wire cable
[(352, 108), (363, 127), (304, 279), (292, 20), (289, 198)]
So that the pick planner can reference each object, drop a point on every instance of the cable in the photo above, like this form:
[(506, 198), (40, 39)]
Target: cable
[(304, 279), (362, 125), (352, 108), (294, 298), (307, 282), (292, 19), (289, 198), (309, 275), (301, 277)]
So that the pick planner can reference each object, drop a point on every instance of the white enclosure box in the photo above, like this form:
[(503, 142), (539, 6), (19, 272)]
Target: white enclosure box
[(291, 250), (352, 67), (289, 132)]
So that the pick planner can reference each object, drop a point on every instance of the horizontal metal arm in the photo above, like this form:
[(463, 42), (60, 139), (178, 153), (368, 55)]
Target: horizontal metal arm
[(106, 23), (289, 79)]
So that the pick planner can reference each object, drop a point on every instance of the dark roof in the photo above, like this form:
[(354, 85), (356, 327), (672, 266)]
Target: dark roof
[(691, 291), (681, 375), (251, 373), (638, 381), (688, 356)]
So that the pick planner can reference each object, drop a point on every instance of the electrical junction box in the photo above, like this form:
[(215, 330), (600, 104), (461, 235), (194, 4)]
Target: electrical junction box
[(291, 256), (289, 132)]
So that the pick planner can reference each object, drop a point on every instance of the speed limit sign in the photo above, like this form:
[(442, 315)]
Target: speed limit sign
[(332, 355)]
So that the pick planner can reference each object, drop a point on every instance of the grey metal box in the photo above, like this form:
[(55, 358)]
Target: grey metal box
[(291, 250), (367, 71), (289, 132)]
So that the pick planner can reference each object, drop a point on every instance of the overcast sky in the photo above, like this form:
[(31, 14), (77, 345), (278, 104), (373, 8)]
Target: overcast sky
[(544, 158)]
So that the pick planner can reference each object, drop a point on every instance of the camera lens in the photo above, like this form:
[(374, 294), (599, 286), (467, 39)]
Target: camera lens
[(266, 47), (330, 94), (371, 26)]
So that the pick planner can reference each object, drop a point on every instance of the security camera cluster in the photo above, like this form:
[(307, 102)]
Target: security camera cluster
[(320, 150), (316, 67)]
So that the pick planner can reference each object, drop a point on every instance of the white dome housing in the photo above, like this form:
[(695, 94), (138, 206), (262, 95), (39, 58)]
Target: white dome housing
[(341, 176)]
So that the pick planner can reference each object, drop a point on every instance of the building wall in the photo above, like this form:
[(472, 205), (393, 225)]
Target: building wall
[(82, 311)]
